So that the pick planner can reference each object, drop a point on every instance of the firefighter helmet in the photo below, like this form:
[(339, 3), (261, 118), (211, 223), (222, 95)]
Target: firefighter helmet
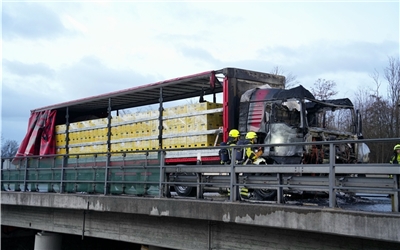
[(251, 135), (234, 133), (396, 147)]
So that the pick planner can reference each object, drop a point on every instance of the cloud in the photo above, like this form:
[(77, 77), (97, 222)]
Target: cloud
[(31, 86), (30, 21), (24, 69), (90, 76)]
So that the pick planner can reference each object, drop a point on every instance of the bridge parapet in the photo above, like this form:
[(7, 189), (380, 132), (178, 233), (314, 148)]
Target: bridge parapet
[(370, 225)]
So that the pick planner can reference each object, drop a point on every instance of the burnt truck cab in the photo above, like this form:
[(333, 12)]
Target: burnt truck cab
[(294, 115)]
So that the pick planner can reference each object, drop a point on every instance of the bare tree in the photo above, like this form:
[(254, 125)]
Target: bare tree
[(392, 76), (9, 148), (290, 79), (324, 89), (381, 115)]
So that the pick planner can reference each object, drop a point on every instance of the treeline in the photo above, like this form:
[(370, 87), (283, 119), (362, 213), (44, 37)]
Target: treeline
[(379, 108)]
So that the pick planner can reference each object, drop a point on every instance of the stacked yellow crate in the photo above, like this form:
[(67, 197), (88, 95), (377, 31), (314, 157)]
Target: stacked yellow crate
[(131, 132), (154, 144), (203, 122), (201, 140), (195, 107), (60, 138), (174, 126)]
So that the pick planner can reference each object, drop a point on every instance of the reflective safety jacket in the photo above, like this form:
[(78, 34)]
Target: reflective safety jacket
[(252, 153), (395, 159)]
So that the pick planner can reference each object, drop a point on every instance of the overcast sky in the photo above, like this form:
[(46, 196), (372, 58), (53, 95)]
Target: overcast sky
[(55, 52)]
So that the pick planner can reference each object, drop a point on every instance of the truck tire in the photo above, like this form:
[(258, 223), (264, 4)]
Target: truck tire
[(185, 191), (265, 194)]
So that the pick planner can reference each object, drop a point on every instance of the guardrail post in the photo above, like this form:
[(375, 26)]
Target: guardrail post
[(106, 170), (234, 188), (332, 192), (26, 175), (64, 161), (279, 195), (163, 188), (199, 189), (396, 195)]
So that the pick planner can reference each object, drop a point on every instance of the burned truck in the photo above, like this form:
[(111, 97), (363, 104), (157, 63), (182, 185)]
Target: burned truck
[(294, 115)]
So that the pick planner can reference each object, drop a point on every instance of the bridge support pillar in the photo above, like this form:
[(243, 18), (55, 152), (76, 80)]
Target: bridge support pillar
[(47, 241)]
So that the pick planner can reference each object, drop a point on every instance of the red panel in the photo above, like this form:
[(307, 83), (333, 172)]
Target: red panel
[(225, 109), (39, 139)]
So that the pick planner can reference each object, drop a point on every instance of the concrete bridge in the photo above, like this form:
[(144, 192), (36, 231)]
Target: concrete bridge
[(200, 224)]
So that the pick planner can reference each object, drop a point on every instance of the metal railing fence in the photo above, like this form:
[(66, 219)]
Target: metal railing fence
[(145, 173)]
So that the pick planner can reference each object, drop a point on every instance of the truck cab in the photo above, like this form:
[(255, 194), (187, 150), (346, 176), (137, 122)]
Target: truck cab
[(294, 115)]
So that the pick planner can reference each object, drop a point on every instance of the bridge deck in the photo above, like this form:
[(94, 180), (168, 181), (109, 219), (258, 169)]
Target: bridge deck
[(20, 207)]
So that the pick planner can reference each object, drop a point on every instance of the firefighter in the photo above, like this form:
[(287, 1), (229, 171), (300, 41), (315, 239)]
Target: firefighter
[(396, 155), (225, 154), (252, 153)]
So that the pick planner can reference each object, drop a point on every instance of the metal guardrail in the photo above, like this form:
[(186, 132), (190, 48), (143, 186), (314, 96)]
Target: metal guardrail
[(145, 173)]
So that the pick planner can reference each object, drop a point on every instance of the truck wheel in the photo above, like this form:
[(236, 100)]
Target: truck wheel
[(185, 191), (265, 194)]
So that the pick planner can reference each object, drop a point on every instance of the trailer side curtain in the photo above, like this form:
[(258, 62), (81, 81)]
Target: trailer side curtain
[(40, 136)]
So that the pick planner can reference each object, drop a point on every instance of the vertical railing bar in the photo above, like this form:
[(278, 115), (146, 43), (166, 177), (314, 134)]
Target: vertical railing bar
[(396, 195), (26, 174), (163, 188), (199, 193), (62, 173), (332, 193), (279, 195), (145, 172), (232, 183), (106, 173)]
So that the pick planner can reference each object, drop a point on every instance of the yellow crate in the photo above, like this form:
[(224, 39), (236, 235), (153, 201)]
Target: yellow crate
[(154, 125), (115, 120), (154, 113), (61, 128), (167, 143), (121, 146), (60, 139), (174, 111), (100, 134), (204, 122), (99, 122), (78, 150), (126, 118), (201, 141), (130, 130), (74, 126), (99, 148), (61, 151), (191, 108), (141, 145), (154, 144), (114, 133), (74, 138), (217, 118), (174, 126), (142, 115), (174, 142), (142, 129), (89, 135), (149, 114), (126, 132)]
